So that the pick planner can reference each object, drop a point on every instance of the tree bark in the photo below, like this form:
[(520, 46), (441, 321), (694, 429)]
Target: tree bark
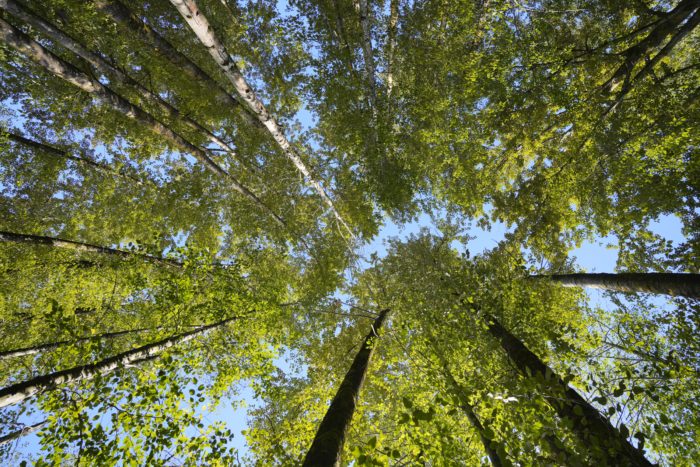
[(102, 66), (23, 352), (8, 438), (666, 26), (41, 56), (327, 445), (683, 285), (80, 246), (593, 429), (490, 446), (367, 53), (121, 14), (391, 47), (56, 152), (205, 33), (21, 391)]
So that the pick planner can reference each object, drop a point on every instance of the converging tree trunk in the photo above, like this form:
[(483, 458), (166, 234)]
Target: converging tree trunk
[(24, 390), (593, 428), (491, 447), (56, 152), (205, 33), (684, 285), (121, 14), (327, 445), (80, 246), (33, 350), (44, 58), (107, 69)]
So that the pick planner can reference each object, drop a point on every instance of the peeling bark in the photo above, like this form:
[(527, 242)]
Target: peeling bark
[(8, 438), (121, 14)]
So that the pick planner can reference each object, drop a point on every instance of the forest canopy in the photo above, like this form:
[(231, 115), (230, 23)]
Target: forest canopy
[(192, 193)]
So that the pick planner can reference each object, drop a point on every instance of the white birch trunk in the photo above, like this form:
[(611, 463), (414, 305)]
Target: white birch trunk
[(41, 56), (107, 69), (19, 392), (204, 32)]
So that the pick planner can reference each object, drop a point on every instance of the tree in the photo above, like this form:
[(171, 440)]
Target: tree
[(327, 446), (685, 285), (164, 165)]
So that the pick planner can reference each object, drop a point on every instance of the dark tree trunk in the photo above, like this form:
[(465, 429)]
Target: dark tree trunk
[(24, 390), (684, 285), (56, 152), (121, 14), (80, 246), (327, 446), (490, 446), (593, 429)]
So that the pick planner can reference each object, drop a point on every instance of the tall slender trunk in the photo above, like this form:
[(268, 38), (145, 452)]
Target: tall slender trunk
[(593, 429), (80, 246), (21, 391), (367, 53), (391, 47), (683, 285), (327, 445), (8, 438), (102, 66), (205, 33), (491, 447), (41, 56), (121, 14), (23, 352), (56, 152)]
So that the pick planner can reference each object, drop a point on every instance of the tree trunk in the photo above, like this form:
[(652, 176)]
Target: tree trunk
[(23, 352), (391, 47), (21, 391), (683, 285), (80, 246), (490, 446), (367, 52), (593, 429), (327, 446), (56, 152), (121, 14), (41, 56), (670, 22), (102, 66), (8, 438), (205, 33)]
